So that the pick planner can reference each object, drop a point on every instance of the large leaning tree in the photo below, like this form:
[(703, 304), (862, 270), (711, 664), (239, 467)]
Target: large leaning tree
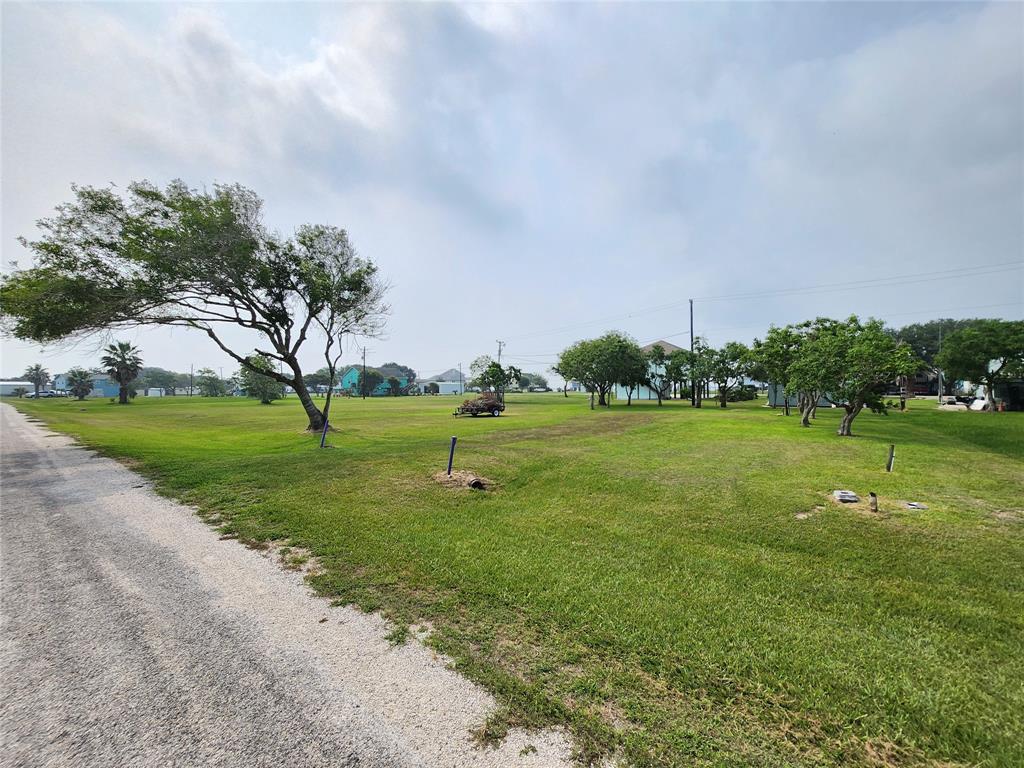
[(197, 259)]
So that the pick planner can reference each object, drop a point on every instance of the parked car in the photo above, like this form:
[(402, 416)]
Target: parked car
[(44, 393)]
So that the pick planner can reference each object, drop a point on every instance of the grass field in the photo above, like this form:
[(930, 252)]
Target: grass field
[(671, 583)]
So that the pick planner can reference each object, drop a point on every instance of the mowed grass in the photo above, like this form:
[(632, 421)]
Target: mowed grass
[(673, 584)]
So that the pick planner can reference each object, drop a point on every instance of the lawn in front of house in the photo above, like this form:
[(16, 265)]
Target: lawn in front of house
[(671, 583)]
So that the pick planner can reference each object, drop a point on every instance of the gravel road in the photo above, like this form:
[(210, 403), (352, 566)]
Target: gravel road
[(130, 635)]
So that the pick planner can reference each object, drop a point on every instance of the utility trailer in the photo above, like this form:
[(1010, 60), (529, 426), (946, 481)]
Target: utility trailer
[(488, 404)]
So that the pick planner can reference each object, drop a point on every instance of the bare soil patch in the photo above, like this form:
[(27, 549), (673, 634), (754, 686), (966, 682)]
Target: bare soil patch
[(463, 478)]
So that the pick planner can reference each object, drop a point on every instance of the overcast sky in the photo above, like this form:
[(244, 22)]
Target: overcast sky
[(543, 173)]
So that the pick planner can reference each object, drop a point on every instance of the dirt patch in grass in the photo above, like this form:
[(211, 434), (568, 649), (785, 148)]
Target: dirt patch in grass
[(463, 478)]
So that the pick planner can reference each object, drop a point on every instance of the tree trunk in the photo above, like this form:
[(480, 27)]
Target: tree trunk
[(316, 418), (847, 422), (629, 396), (565, 389), (805, 412), (601, 399), (122, 395), (723, 396)]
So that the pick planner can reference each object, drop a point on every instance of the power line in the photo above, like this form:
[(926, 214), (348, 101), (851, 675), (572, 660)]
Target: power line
[(718, 329), (879, 282), (918, 277)]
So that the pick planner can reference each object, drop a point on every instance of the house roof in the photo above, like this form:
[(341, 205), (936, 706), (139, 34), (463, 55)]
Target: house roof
[(452, 374), (669, 348)]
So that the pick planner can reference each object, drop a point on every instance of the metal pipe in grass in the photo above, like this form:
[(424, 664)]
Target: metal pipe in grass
[(451, 455)]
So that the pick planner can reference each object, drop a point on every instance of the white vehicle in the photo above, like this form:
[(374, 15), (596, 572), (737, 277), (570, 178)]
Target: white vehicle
[(44, 393)]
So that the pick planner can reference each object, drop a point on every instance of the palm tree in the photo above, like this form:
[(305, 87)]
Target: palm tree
[(79, 382), (37, 375), (123, 364)]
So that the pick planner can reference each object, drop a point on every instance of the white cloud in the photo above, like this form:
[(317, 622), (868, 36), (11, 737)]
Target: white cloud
[(607, 157)]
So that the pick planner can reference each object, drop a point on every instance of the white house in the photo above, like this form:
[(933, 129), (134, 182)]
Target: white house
[(448, 383), (643, 392)]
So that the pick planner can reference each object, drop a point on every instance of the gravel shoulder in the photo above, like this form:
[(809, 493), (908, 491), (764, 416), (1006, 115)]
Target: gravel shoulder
[(131, 635)]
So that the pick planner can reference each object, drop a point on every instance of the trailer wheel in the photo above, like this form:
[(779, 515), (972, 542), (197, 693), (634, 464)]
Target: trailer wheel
[(496, 412)]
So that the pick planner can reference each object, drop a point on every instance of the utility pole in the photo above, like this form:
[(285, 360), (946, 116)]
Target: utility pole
[(501, 390), (937, 368), (462, 386), (693, 381), (191, 378), (363, 382)]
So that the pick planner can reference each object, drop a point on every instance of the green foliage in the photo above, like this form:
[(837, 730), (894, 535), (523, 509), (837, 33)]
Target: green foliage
[(527, 380), (495, 378), (988, 352), (394, 386), (923, 338), (79, 382), (198, 259), (122, 363), (210, 384), (678, 368), (38, 375), (19, 392), (851, 363), (702, 365), (368, 381), (668, 584), (431, 388), (773, 357), (599, 364), (728, 366), (657, 376), (321, 378), (258, 385), (159, 378)]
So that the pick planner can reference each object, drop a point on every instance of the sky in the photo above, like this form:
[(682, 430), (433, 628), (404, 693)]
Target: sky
[(542, 173)]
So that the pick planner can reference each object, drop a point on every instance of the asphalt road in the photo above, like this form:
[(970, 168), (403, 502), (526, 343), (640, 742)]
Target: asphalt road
[(132, 636)]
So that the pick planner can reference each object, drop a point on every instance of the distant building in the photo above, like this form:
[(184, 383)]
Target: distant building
[(102, 386), (348, 381), (8, 387), (644, 392), (777, 398), (450, 382)]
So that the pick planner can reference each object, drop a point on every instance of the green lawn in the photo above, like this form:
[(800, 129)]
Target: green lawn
[(642, 573)]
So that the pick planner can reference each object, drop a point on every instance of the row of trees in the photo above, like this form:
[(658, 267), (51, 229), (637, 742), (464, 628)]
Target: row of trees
[(122, 364), (616, 360), (849, 363)]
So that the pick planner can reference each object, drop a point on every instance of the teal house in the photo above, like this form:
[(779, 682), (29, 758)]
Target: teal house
[(349, 381)]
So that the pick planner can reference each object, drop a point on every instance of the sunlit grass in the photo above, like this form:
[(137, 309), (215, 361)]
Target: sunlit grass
[(642, 573)]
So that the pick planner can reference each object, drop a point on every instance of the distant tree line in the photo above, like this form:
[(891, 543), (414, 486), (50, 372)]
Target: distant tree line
[(850, 363)]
